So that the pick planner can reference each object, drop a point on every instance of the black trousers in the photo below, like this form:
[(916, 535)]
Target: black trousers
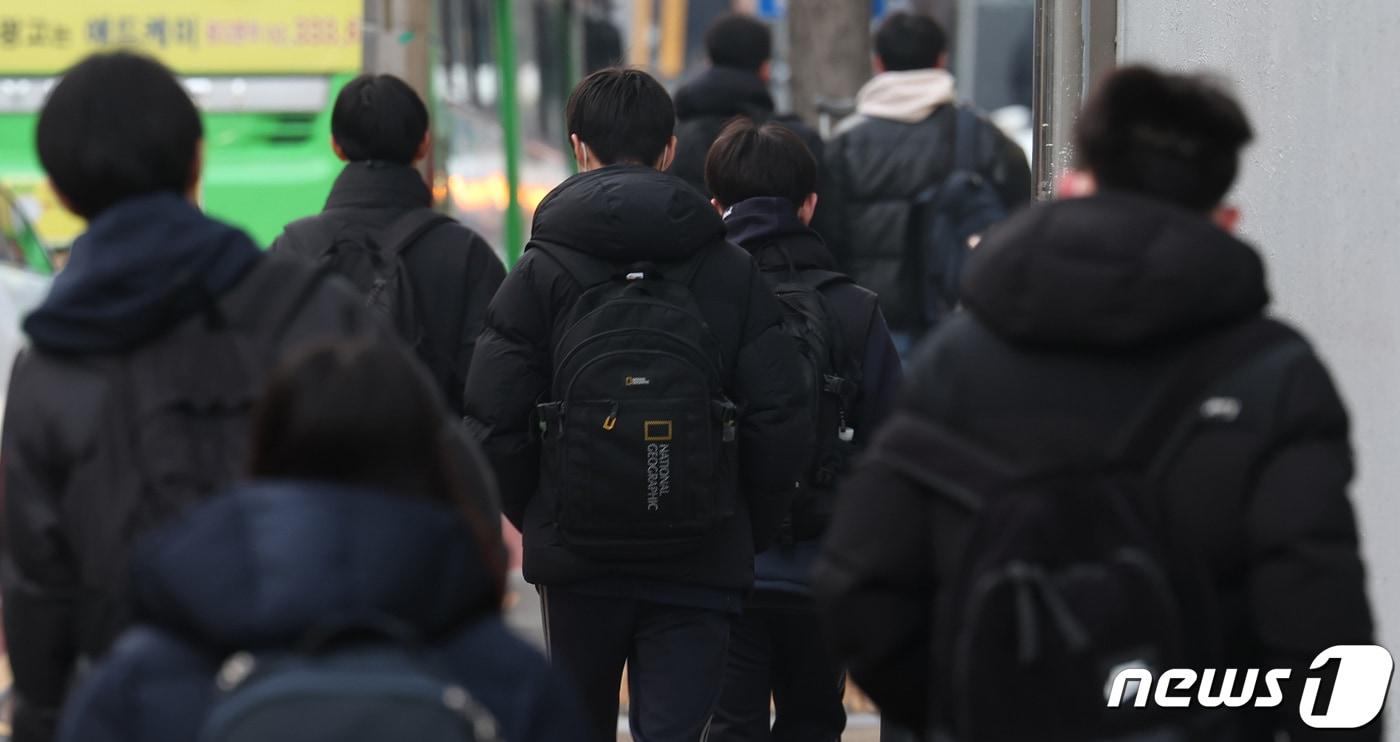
[(776, 649), (674, 657)]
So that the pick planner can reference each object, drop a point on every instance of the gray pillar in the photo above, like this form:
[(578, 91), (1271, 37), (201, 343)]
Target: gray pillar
[(1076, 41)]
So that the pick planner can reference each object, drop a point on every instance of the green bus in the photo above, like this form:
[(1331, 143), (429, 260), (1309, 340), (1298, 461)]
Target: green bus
[(264, 72)]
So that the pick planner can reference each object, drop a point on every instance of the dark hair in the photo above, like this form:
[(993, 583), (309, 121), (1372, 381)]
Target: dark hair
[(118, 125), (909, 41), (1170, 136), (379, 117), (623, 115), (749, 160), (358, 413), (739, 41)]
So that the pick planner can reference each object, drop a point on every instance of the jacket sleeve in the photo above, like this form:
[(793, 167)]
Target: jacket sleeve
[(40, 578), (873, 587), (775, 430), (881, 374), (1306, 584), (508, 375), (485, 273), (834, 225)]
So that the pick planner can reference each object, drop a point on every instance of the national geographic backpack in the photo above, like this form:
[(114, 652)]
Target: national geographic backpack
[(639, 439)]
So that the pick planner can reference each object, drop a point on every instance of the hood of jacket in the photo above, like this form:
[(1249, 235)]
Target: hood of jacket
[(270, 561), (375, 184), (625, 213), (770, 230), (1113, 270), (908, 96), (143, 265), (723, 92)]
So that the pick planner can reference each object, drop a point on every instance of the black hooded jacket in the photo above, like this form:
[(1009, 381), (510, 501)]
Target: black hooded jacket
[(1077, 311), (145, 267), (876, 168), (453, 271), (622, 214)]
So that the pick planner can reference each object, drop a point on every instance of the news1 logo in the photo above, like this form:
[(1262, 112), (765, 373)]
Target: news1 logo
[(1345, 687)]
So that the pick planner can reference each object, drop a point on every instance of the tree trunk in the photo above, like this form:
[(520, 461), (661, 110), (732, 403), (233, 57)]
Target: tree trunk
[(830, 55)]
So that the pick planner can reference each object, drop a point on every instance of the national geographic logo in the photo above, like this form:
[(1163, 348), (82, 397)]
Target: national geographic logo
[(657, 434)]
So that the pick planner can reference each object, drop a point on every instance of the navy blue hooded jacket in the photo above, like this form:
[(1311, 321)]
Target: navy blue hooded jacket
[(770, 230), (142, 266), (259, 568)]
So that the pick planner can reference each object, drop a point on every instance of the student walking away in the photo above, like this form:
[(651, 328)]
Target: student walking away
[(653, 425), (431, 276), (916, 177), (133, 399), (764, 179), (1113, 460), (740, 48), (350, 592)]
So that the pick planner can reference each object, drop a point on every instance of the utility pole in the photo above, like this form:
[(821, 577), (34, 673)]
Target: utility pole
[(830, 54)]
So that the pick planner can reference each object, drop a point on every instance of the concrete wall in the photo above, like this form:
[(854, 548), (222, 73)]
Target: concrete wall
[(1321, 196)]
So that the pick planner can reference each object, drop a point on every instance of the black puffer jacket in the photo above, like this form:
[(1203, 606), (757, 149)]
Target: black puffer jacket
[(622, 214), (1077, 311), (144, 267), (876, 168), (453, 271), (703, 107)]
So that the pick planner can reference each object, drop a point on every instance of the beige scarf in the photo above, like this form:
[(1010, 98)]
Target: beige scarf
[(909, 96)]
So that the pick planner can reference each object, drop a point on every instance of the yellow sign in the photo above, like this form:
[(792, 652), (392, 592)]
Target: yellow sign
[(210, 37)]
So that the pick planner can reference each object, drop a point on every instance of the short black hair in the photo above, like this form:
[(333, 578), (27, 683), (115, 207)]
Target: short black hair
[(623, 115), (909, 41), (379, 117), (739, 41), (118, 125), (750, 160), (1175, 137)]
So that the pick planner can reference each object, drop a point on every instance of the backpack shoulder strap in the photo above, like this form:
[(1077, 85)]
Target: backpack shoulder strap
[(405, 231), (1150, 440), (966, 127)]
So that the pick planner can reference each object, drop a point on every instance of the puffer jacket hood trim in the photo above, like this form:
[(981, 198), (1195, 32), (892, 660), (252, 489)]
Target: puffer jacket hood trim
[(627, 212), (269, 561), (1115, 270)]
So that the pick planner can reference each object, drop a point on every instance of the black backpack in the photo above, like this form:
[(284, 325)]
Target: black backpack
[(1065, 576), (372, 260), (831, 376), (180, 416), (947, 220), (368, 690), (639, 439)]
